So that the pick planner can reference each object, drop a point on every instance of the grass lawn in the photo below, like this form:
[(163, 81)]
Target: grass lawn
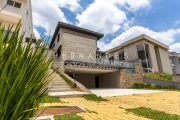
[(153, 114), (68, 117), (160, 76), (50, 99), (93, 97)]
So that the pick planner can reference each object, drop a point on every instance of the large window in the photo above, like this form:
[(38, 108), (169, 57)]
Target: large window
[(143, 54), (14, 3), (111, 59), (121, 56)]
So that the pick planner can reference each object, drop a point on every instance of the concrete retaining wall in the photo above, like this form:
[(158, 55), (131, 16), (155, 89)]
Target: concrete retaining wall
[(161, 83), (78, 85), (176, 78)]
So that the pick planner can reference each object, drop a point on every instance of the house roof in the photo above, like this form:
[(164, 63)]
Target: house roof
[(136, 39), (74, 28)]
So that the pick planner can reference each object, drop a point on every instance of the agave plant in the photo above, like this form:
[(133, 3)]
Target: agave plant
[(24, 73)]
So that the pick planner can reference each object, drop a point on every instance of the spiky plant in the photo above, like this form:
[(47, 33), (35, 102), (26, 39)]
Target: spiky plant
[(24, 73)]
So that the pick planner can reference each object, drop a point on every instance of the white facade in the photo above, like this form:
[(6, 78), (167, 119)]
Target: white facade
[(15, 10)]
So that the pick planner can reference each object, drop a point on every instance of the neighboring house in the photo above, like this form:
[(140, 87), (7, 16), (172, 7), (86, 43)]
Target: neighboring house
[(153, 54), (75, 51), (13, 12), (175, 62)]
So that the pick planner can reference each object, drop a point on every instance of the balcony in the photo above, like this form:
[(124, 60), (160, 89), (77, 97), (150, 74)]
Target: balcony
[(9, 16), (100, 64)]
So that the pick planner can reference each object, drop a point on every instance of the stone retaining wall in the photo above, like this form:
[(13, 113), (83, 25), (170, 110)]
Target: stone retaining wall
[(128, 80)]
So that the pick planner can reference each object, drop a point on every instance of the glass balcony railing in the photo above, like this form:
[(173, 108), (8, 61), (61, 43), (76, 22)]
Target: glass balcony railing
[(115, 63)]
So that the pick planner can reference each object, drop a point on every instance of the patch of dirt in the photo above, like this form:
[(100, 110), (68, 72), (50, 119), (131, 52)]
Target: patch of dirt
[(57, 111)]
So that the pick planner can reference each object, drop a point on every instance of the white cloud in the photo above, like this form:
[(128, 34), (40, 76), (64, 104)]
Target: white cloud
[(106, 17), (102, 17), (132, 5), (175, 47), (165, 37), (47, 13)]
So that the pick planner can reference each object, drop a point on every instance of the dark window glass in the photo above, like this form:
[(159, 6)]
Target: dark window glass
[(121, 56), (111, 59), (58, 37), (179, 60), (59, 51), (143, 54), (17, 5), (10, 2)]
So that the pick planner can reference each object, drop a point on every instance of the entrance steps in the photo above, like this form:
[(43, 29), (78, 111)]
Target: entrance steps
[(59, 88)]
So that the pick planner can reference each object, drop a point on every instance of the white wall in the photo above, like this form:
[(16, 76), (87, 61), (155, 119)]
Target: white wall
[(25, 12)]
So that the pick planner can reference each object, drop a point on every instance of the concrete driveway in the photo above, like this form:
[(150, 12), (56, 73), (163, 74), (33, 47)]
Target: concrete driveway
[(121, 92)]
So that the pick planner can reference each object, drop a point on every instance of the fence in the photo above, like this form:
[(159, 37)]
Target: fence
[(161, 83)]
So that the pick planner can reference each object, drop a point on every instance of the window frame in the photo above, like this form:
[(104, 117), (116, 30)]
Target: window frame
[(14, 4), (121, 55)]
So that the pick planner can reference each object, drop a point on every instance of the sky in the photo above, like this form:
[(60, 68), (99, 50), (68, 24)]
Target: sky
[(118, 20)]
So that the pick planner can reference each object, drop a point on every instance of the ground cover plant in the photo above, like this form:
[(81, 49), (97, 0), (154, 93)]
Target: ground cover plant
[(153, 86), (71, 84), (93, 97), (51, 99), (24, 73), (153, 114), (68, 117), (160, 76)]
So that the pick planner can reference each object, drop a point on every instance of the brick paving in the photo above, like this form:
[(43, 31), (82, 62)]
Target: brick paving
[(114, 109)]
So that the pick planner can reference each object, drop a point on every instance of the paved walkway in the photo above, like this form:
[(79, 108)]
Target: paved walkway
[(114, 109), (120, 92)]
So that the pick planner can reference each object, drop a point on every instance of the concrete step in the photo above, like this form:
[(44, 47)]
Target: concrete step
[(67, 94), (58, 81), (65, 90), (59, 87), (51, 83)]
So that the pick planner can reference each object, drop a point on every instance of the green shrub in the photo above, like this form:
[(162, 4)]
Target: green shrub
[(24, 73), (71, 84), (153, 86), (160, 76)]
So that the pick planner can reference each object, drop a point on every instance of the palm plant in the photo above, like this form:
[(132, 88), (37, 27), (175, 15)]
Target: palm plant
[(24, 73)]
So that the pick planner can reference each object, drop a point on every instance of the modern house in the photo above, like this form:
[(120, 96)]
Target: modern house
[(75, 51), (153, 54), (12, 11), (175, 62)]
